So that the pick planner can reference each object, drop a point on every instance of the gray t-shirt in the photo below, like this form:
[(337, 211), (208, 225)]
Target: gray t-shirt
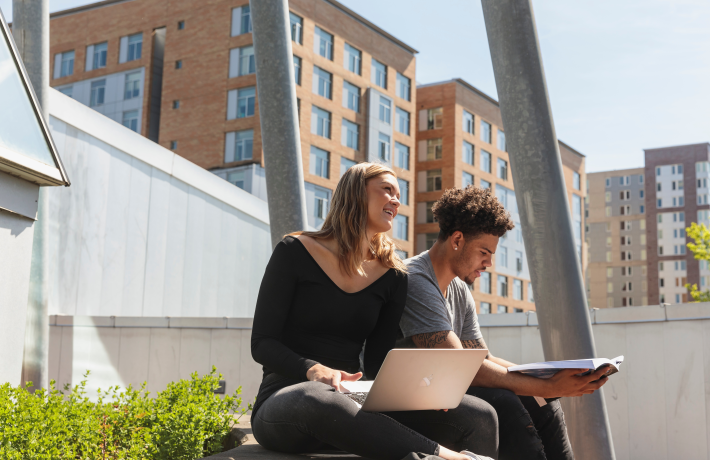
[(427, 310)]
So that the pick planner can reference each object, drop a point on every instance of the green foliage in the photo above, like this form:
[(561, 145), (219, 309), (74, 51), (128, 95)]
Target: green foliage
[(185, 422), (701, 250)]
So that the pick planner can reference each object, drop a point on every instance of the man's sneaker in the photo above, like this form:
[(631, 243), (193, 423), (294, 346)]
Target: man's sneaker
[(474, 456)]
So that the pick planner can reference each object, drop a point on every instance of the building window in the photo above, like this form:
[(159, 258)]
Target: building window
[(67, 90), (323, 43), (96, 56), (98, 91), (130, 120), (240, 103), (466, 180), (65, 64), (467, 153), (433, 180), (485, 282), (321, 206), (486, 131), (297, 69), (237, 178), (467, 122), (576, 180), (485, 184), (517, 289), (401, 254), (176, 104), (404, 85), (502, 257), (401, 156), (518, 261), (296, 28), (502, 286), (178, 64), (401, 227), (430, 212), (502, 169), (345, 164), (134, 48), (484, 308), (241, 61), (403, 191), (181, 25), (384, 147), (132, 85), (486, 161), (238, 146), (385, 110), (502, 309), (322, 82), (246, 19), (241, 20), (353, 59), (350, 134), (320, 122), (435, 118), (319, 161), (501, 141), (173, 145), (402, 121), (379, 73), (434, 149), (351, 96)]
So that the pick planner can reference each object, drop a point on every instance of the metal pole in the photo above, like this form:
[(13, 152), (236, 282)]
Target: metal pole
[(560, 298), (30, 30), (278, 113)]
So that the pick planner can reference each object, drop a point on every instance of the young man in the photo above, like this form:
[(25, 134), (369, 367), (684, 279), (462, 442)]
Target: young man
[(440, 313)]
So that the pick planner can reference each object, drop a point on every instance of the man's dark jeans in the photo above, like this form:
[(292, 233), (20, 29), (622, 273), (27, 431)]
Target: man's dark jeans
[(526, 430)]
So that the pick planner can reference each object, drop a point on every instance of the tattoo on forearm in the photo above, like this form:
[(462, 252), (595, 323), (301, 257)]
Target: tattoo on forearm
[(430, 339), (475, 343)]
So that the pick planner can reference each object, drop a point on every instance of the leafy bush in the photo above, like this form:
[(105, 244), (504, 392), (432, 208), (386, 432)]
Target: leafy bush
[(185, 422)]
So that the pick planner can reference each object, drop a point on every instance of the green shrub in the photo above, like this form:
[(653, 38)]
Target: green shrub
[(185, 422)]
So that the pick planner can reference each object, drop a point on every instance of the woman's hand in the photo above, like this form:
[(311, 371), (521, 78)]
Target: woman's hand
[(332, 377)]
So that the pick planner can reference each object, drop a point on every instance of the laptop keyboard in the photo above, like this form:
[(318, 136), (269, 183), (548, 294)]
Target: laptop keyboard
[(358, 398)]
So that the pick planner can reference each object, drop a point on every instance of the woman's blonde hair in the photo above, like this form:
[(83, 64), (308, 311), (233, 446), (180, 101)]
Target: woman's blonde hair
[(347, 222)]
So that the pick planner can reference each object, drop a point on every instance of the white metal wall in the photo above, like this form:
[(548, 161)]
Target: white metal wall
[(143, 231)]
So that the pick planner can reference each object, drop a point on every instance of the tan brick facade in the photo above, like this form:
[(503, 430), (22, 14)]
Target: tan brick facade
[(454, 97), (201, 85)]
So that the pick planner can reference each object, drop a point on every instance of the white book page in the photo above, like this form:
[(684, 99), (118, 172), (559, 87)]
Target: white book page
[(360, 386)]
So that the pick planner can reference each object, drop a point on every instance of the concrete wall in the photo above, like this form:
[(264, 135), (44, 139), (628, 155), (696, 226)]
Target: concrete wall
[(658, 404), (15, 255), (144, 232)]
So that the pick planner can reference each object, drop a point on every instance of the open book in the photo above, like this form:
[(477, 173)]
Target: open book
[(549, 368)]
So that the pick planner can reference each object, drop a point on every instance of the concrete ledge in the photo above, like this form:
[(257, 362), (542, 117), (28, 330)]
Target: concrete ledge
[(198, 323), (503, 320), (688, 311), (240, 323), (629, 315), (151, 322)]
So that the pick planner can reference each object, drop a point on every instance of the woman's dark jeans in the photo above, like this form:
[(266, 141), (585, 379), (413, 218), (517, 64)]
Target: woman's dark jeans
[(310, 416), (527, 431)]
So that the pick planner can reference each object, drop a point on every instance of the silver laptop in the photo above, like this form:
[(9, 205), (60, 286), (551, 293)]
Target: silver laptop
[(418, 379)]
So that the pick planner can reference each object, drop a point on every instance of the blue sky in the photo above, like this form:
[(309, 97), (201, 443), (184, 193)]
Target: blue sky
[(622, 76)]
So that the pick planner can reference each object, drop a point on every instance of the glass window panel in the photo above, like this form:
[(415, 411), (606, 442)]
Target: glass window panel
[(403, 191), (319, 162), (486, 131), (384, 147), (402, 121), (130, 120), (485, 161), (403, 87), (379, 73), (401, 157), (468, 122), (132, 86), (467, 152), (467, 179), (323, 43), (345, 164), (244, 144), (351, 96), (435, 118), (135, 47), (247, 62), (296, 28), (353, 59), (246, 98), (501, 141), (99, 57), (350, 134), (98, 93), (385, 110), (434, 149)]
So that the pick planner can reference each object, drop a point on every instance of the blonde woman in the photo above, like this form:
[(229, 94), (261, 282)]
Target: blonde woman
[(323, 295)]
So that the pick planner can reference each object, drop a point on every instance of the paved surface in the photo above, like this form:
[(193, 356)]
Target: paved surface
[(252, 450)]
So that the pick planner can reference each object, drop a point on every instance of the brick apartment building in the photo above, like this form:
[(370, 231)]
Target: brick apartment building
[(616, 234), (460, 141), (182, 73), (637, 221)]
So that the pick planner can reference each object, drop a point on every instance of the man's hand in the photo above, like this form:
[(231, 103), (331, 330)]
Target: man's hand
[(567, 383), (332, 377)]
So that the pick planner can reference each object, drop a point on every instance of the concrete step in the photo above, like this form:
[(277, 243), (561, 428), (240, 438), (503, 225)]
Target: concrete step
[(250, 449)]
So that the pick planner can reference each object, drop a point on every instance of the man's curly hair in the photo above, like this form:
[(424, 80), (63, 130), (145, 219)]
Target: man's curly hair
[(473, 211)]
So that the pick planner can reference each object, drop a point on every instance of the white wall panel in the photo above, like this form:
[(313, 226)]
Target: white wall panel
[(132, 239)]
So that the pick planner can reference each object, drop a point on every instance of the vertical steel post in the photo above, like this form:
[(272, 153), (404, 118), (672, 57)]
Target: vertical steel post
[(560, 298), (278, 112), (30, 30)]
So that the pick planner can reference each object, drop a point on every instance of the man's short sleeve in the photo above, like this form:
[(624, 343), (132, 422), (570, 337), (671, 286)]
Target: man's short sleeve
[(425, 310)]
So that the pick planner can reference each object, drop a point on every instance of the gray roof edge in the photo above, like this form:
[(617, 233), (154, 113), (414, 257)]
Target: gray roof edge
[(677, 146), (372, 26)]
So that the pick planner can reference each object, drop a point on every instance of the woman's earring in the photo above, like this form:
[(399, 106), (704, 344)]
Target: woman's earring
[(456, 249)]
